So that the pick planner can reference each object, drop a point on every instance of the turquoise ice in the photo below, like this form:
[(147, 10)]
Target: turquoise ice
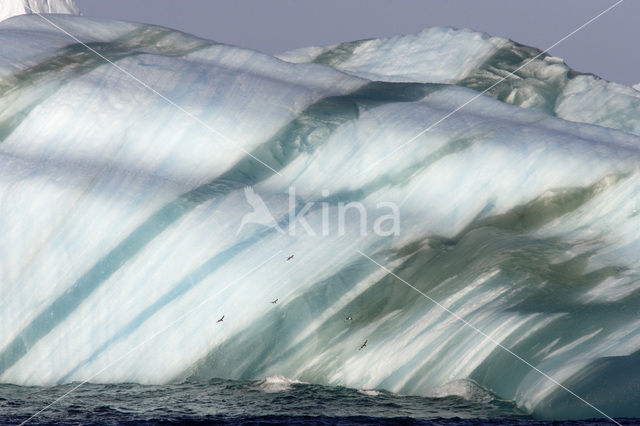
[(120, 215)]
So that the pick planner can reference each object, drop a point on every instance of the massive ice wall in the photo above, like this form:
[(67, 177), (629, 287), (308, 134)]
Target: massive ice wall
[(125, 235)]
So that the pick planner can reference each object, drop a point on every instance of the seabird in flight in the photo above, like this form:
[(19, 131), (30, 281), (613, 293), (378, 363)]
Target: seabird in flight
[(364, 344), (275, 301), (289, 258), (349, 319), (221, 319)]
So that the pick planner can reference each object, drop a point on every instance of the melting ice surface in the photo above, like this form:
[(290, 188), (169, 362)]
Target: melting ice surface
[(121, 215)]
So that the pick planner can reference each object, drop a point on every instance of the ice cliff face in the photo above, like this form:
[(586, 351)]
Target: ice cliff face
[(9, 8), (129, 225)]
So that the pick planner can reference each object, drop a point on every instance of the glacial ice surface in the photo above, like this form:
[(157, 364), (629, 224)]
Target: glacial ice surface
[(9, 8), (121, 215), (503, 69)]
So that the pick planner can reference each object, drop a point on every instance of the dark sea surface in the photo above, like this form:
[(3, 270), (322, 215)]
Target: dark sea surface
[(271, 401)]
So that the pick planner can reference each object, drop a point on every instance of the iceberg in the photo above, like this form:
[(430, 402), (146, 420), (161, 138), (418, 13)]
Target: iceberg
[(125, 158), (534, 79), (10, 8)]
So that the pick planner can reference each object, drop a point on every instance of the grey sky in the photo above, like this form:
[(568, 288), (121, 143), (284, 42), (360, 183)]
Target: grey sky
[(609, 47)]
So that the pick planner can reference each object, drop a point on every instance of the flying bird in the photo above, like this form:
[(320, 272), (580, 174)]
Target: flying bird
[(220, 320), (260, 214), (364, 344), (289, 258), (275, 301), (349, 319)]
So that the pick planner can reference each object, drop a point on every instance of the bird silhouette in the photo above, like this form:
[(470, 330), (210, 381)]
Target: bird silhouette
[(260, 214), (289, 258), (221, 319), (363, 345), (275, 301), (349, 319)]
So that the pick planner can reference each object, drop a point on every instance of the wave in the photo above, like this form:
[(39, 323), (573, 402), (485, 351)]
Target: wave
[(369, 392), (275, 384)]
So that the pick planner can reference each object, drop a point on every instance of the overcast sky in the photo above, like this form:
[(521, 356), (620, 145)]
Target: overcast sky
[(609, 47)]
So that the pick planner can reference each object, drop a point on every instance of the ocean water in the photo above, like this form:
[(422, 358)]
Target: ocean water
[(274, 400)]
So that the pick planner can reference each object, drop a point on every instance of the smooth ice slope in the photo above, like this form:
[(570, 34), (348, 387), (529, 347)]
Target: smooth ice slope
[(479, 62), (122, 238), (9, 8)]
